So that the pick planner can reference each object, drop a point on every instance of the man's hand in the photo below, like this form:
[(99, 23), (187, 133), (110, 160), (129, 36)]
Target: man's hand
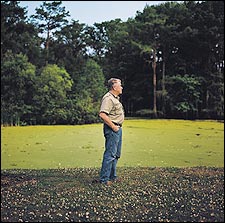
[(108, 122), (115, 128)]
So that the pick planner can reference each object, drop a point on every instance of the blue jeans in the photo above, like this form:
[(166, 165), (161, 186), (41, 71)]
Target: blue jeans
[(113, 142)]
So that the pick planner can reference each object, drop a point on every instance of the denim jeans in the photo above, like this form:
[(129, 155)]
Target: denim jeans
[(113, 142)]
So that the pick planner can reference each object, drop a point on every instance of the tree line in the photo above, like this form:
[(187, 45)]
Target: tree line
[(170, 58)]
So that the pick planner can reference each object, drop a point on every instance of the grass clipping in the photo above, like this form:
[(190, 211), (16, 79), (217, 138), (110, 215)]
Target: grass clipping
[(143, 195)]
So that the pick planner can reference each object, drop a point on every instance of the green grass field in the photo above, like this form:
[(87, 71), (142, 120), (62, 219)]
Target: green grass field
[(154, 143)]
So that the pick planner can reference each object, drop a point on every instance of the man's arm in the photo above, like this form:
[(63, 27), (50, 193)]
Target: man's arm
[(108, 122)]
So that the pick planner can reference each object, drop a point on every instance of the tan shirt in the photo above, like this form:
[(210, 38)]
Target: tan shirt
[(112, 107)]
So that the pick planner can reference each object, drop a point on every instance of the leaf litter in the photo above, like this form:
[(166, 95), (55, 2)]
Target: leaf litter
[(145, 194)]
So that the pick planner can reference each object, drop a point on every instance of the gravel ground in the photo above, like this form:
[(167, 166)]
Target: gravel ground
[(143, 195)]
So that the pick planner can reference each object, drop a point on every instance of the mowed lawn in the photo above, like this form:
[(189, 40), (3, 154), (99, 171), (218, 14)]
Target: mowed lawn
[(146, 143)]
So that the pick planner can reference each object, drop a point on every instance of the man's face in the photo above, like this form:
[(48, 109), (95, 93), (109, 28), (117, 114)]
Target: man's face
[(117, 87)]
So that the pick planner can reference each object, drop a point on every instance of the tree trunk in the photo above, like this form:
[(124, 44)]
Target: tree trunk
[(163, 86), (154, 83), (47, 47)]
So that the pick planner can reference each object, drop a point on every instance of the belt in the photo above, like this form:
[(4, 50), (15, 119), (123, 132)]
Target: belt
[(120, 125)]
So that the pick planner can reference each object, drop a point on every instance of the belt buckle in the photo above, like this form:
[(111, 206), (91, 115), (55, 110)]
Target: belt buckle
[(117, 124)]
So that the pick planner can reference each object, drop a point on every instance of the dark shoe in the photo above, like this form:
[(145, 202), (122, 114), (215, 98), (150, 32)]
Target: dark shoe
[(108, 183), (95, 181), (117, 180)]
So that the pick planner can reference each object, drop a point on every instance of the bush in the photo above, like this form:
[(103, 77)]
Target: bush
[(148, 113)]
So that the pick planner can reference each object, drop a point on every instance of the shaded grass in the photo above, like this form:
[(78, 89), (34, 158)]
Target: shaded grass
[(161, 143), (145, 194)]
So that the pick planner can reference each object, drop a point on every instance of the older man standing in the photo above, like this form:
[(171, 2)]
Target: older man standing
[(112, 114)]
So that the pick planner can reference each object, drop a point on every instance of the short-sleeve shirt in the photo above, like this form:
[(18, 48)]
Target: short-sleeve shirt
[(112, 107)]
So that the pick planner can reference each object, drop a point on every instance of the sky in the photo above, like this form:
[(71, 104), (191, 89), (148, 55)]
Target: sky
[(89, 12)]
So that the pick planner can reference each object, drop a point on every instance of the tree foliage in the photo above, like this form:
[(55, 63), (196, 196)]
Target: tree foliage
[(17, 85), (184, 95), (170, 58), (49, 18)]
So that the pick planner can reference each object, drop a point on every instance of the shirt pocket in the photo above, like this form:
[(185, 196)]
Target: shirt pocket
[(118, 108)]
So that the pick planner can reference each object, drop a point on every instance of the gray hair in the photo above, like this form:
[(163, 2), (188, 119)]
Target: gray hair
[(112, 81)]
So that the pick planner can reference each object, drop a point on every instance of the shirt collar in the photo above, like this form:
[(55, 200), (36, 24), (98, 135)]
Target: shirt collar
[(117, 97)]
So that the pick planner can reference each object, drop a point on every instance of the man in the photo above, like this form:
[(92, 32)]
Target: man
[(112, 114)]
